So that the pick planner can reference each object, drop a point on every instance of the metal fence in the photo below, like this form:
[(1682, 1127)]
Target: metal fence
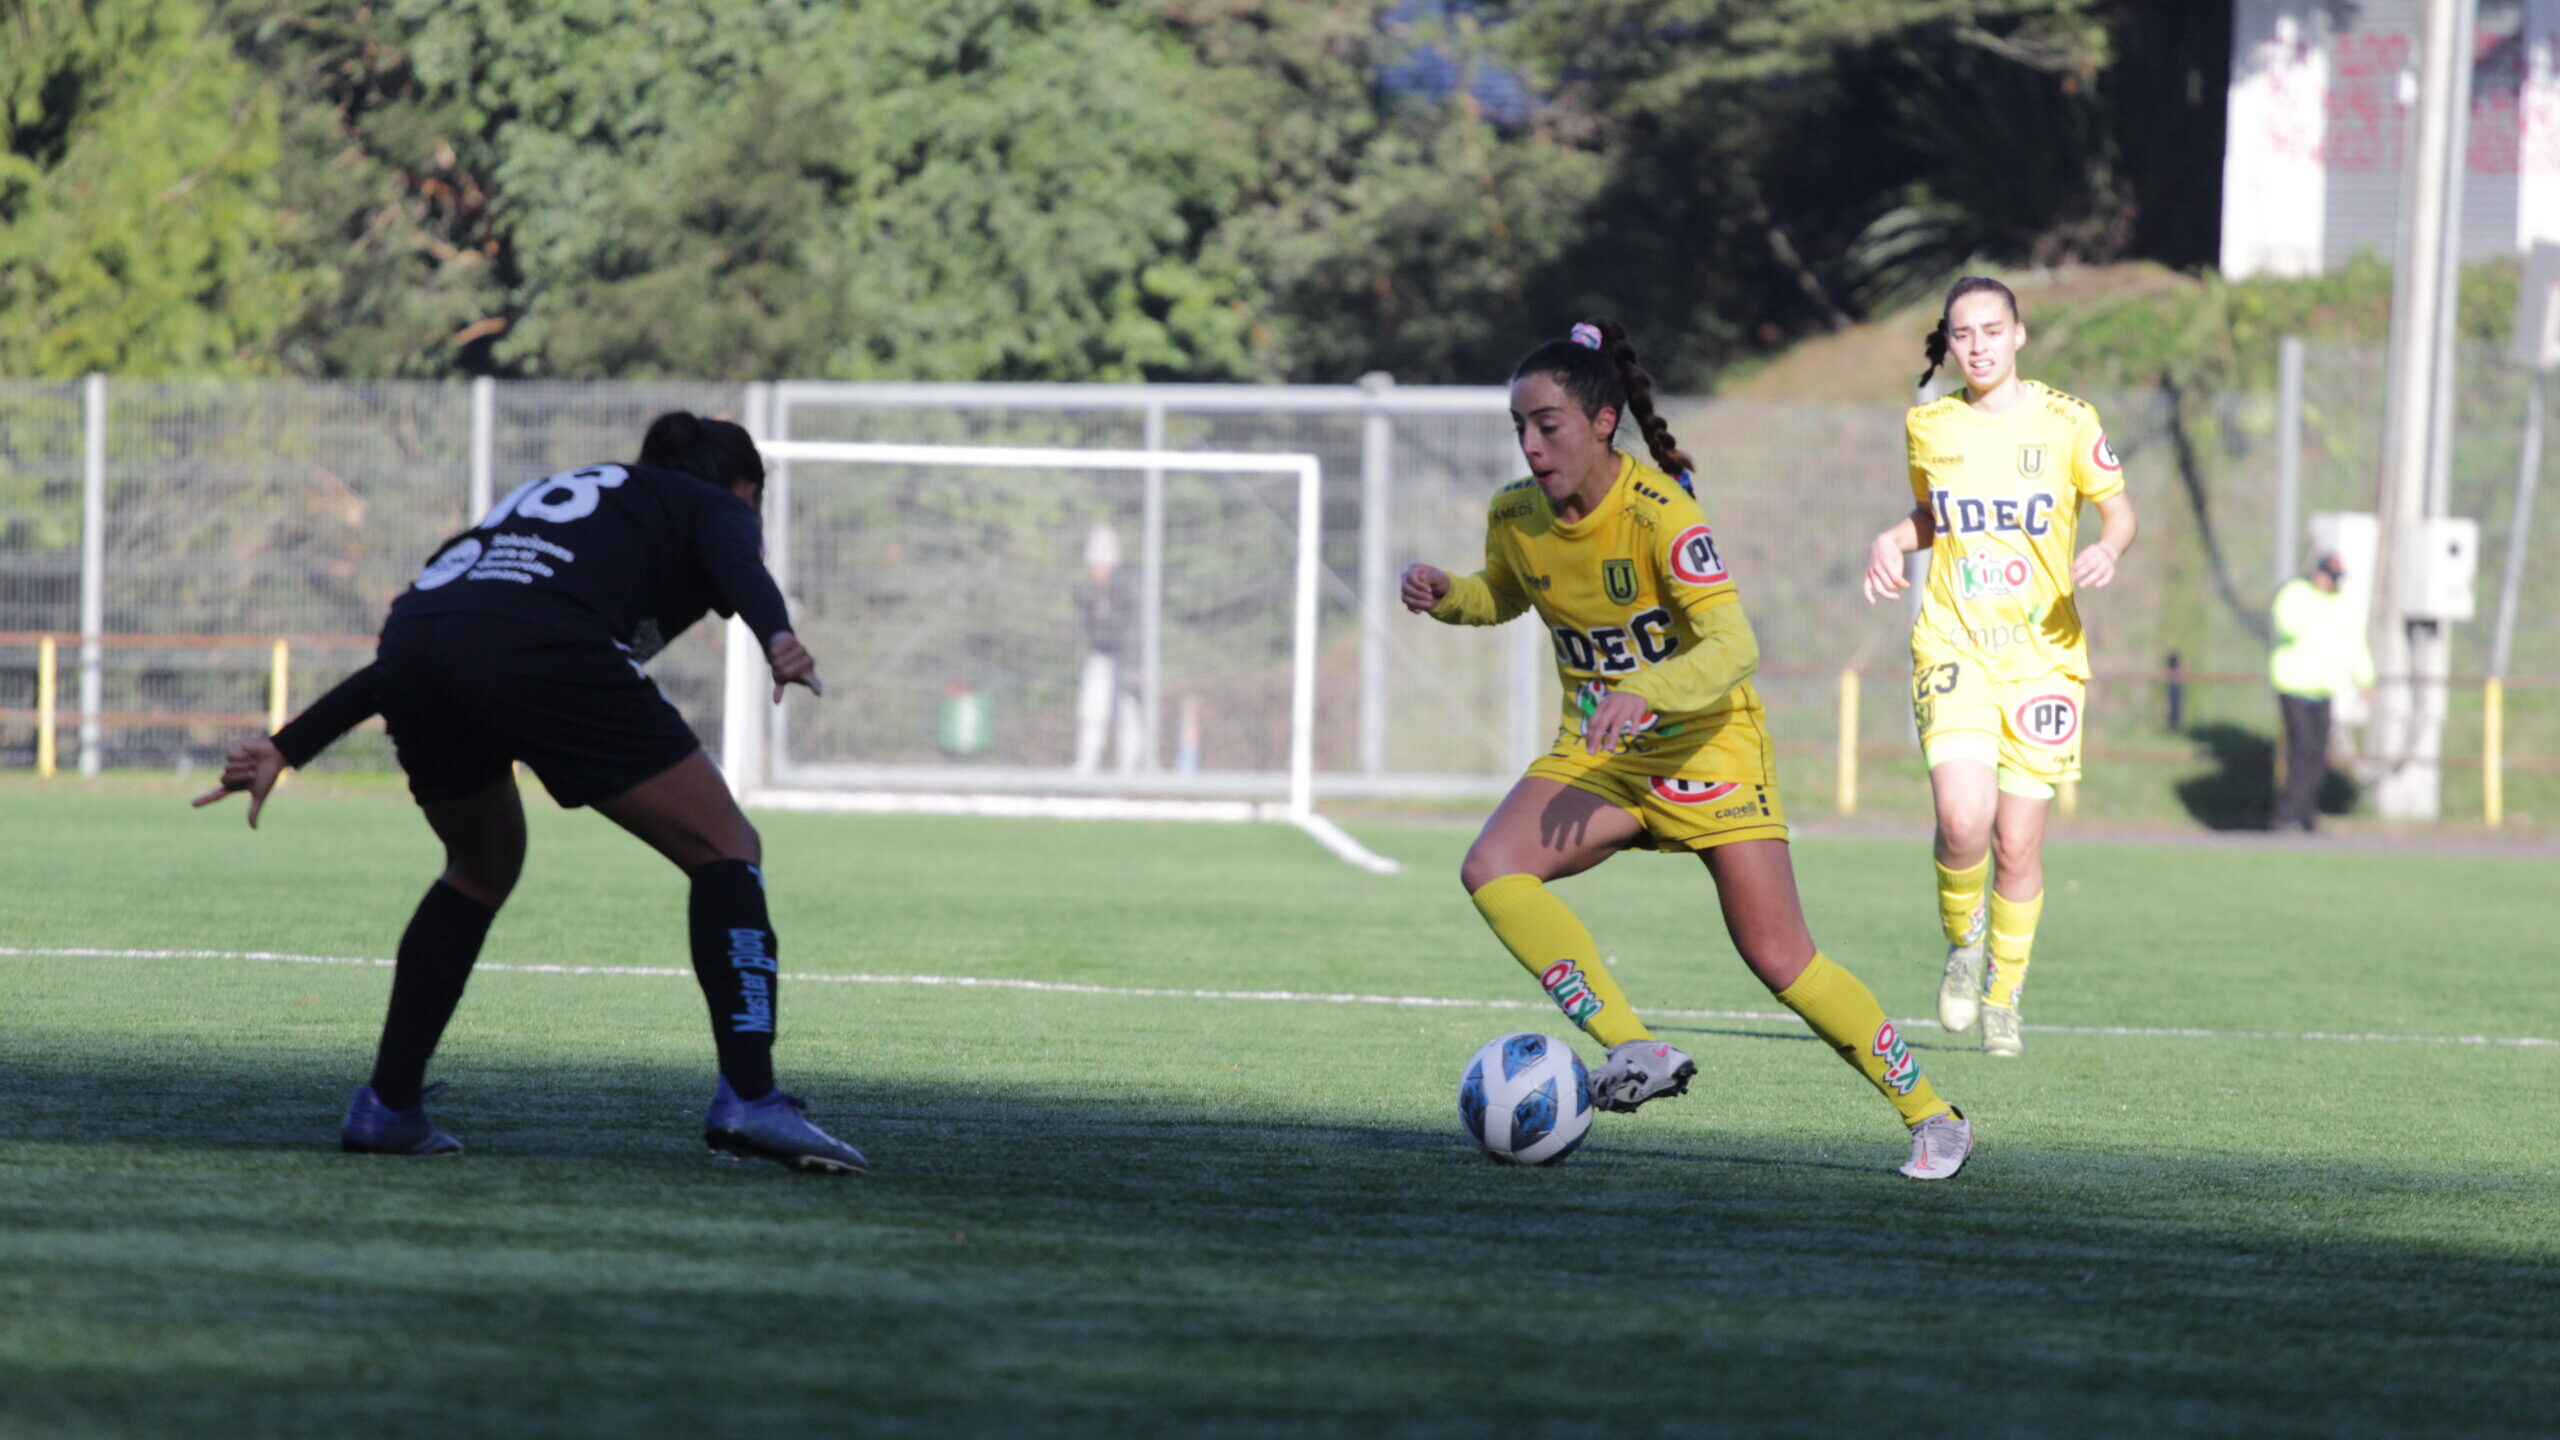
[(167, 533)]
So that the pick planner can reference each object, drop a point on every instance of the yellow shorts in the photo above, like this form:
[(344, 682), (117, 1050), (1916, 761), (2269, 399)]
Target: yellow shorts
[(2028, 730), (1687, 793)]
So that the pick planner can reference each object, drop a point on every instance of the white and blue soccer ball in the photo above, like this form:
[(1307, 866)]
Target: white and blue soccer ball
[(1525, 1099)]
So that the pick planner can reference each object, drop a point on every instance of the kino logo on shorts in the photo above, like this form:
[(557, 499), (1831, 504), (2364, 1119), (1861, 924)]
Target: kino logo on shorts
[(2051, 720), (1692, 792)]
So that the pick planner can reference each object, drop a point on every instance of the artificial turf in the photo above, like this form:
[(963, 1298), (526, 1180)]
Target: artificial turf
[(2250, 1178)]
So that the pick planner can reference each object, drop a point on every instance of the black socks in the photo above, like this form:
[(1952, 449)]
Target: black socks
[(736, 958), (436, 955)]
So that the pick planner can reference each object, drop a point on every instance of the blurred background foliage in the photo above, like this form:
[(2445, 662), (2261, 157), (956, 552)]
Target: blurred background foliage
[(1079, 189)]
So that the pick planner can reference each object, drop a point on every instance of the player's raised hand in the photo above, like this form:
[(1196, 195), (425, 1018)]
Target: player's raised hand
[(792, 665), (2094, 567), (252, 764), (1884, 578), (1424, 587)]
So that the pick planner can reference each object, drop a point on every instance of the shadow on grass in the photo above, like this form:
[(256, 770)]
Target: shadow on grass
[(183, 1253), (2239, 792)]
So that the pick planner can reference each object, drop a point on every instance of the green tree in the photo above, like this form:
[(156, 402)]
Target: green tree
[(139, 224), (1783, 166), (1412, 235)]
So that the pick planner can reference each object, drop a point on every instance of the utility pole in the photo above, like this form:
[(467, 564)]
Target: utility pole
[(2412, 653)]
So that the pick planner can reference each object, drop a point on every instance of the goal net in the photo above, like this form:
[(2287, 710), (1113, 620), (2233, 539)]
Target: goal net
[(1016, 631)]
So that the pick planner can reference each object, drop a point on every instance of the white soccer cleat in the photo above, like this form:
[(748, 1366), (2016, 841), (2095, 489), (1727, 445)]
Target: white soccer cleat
[(1637, 1071), (2000, 1031), (1960, 987), (1939, 1146)]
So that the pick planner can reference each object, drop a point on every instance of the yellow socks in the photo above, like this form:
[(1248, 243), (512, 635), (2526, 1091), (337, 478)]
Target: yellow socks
[(1544, 935), (2013, 934), (1960, 900), (1845, 1014)]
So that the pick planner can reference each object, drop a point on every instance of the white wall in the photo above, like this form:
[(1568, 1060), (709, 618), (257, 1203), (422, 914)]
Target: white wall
[(2320, 103)]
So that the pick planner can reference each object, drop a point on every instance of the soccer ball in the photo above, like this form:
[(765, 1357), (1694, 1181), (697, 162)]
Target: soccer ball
[(1525, 1099)]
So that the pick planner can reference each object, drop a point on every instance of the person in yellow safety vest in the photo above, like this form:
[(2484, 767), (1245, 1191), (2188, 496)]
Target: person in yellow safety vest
[(2320, 650)]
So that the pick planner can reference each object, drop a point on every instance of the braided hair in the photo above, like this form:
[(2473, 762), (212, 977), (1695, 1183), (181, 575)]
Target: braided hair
[(1597, 367), (1969, 285)]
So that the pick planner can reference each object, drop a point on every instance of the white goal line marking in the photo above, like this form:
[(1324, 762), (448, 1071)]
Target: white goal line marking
[(1284, 997)]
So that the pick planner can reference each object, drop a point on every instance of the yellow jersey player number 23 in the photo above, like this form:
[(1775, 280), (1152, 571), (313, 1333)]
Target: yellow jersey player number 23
[(1999, 663)]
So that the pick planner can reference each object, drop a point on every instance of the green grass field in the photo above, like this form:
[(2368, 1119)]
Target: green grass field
[(1118, 1211)]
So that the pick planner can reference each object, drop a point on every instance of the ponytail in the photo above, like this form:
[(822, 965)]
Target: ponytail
[(1597, 366), (1968, 285), (1639, 388), (1937, 352)]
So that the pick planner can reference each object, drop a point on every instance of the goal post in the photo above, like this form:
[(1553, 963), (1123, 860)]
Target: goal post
[(893, 579)]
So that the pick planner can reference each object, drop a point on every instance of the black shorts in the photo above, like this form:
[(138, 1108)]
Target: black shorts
[(466, 695)]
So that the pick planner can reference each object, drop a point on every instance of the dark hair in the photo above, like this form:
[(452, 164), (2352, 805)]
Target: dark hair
[(1607, 377), (713, 450), (1969, 285)]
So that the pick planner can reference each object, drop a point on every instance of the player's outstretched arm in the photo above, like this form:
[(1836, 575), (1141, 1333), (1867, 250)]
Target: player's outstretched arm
[(255, 764), (792, 665)]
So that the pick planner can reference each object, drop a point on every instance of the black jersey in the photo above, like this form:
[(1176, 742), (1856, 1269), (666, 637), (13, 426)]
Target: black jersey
[(634, 550)]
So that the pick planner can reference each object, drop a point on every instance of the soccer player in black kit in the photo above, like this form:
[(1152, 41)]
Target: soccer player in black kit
[(522, 640)]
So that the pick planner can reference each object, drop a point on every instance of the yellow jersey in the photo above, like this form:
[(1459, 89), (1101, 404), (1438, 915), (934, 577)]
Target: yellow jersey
[(1623, 590), (2005, 490)]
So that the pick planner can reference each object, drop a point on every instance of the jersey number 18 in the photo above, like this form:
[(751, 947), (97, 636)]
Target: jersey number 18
[(570, 495)]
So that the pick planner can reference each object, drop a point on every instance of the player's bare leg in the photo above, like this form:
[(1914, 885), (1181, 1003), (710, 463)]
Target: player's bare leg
[(1756, 887), (686, 813)]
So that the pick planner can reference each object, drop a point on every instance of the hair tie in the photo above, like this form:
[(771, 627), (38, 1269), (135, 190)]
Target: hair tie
[(1587, 336)]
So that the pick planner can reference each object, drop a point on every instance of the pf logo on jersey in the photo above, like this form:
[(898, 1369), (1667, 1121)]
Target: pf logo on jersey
[(2049, 720), (2104, 454), (1692, 792), (1694, 560)]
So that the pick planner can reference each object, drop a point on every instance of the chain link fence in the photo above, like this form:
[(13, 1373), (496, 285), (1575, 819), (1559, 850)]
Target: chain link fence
[(237, 514)]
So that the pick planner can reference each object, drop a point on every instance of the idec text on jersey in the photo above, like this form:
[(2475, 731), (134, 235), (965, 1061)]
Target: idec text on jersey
[(1604, 651), (2031, 515)]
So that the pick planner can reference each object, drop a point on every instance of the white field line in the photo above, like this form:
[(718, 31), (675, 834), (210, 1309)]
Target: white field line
[(1278, 997)]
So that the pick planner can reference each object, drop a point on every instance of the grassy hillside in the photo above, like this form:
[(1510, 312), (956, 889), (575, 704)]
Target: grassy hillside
[(2123, 327)]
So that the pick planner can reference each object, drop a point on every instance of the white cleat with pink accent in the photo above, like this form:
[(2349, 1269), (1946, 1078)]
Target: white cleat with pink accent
[(1637, 1071), (1939, 1146)]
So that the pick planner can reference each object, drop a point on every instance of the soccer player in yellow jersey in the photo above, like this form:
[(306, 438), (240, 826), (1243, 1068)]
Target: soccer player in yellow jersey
[(1662, 744), (1999, 664)]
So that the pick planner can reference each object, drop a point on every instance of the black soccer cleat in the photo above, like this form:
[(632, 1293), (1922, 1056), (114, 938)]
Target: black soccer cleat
[(774, 1129)]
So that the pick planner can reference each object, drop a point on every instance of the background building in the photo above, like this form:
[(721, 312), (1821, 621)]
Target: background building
[(2321, 92)]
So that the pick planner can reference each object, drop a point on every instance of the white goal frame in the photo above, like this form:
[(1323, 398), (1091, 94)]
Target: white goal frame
[(746, 727)]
